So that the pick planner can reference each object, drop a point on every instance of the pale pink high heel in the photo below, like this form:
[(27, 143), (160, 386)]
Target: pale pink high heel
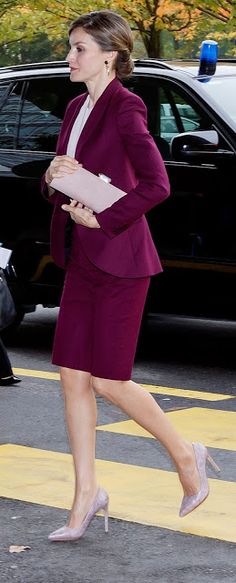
[(189, 503), (65, 533)]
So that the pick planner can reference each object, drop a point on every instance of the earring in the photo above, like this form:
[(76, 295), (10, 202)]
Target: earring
[(107, 67)]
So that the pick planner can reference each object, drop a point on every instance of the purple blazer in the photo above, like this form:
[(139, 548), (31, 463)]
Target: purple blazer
[(115, 141)]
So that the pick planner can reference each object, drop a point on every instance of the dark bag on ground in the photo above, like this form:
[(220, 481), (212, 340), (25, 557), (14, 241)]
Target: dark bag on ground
[(7, 306)]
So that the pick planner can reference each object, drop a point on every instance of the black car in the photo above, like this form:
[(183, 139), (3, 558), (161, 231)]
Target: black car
[(193, 122)]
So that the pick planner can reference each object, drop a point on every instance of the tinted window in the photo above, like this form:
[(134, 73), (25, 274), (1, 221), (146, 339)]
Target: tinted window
[(170, 110), (148, 90), (177, 115), (42, 111), (10, 103)]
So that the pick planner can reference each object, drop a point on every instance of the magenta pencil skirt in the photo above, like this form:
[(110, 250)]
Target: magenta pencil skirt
[(99, 320)]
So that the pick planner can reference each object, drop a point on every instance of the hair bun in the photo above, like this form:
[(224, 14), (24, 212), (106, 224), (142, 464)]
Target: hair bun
[(112, 33)]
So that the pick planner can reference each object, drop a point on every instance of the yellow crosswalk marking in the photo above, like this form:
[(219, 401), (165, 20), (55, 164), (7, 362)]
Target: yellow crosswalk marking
[(212, 427), (169, 391), (176, 392), (40, 374), (140, 494), (144, 495)]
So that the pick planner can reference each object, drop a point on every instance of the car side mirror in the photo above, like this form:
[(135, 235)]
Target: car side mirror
[(199, 147)]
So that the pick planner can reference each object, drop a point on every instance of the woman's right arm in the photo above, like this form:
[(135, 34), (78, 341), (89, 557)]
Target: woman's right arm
[(59, 167)]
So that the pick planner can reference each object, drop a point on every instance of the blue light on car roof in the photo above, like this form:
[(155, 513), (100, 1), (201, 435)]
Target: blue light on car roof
[(208, 57)]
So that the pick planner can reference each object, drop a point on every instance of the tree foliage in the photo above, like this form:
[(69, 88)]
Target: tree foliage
[(6, 5), (151, 17), (217, 20), (23, 21), (222, 10)]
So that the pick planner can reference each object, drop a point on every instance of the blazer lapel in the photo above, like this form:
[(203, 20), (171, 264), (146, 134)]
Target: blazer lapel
[(74, 110), (97, 114)]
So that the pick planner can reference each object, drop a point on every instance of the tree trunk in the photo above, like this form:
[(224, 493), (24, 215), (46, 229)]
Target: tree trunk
[(153, 43)]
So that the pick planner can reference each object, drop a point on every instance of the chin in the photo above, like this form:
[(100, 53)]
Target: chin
[(75, 76)]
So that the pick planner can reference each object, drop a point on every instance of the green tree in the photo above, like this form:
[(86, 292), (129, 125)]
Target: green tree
[(22, 20), (222, 10), (6, 5), (151, 20), (151, 17), (216, 19)]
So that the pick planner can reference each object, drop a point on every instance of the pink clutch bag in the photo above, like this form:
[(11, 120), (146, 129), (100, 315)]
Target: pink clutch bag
[(91, 190)]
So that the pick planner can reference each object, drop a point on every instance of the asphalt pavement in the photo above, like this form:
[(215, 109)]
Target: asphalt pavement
[(189, 367)]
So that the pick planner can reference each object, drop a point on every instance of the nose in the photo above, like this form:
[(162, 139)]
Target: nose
[(70, 54)]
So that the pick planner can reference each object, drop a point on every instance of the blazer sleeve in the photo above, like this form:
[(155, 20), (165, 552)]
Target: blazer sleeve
[(152, 180)]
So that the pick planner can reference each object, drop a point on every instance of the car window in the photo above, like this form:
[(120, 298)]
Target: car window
[(178, 114), (181, 113), (43, 107), (148, 90), (4, 90), (10, 102), (170, 110)]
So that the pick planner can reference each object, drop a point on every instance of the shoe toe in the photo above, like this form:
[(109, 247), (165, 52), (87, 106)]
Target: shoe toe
[(9, 381), (57, 533)]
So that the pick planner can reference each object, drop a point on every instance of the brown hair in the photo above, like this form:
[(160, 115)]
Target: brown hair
[(112, 33)]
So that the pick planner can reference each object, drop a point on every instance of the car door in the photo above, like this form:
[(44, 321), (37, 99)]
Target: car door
[(31, 112), (194, 230)]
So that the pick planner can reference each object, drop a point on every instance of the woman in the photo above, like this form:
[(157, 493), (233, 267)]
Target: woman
[(109, 258)]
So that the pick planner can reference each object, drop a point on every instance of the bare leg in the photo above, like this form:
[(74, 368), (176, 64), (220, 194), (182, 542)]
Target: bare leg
[(81, 414), (142, 407)]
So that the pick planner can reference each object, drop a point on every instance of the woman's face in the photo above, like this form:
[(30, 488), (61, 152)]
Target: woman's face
[(85, 57)]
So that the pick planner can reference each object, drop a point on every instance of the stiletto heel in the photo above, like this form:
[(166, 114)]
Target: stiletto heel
[(66, 533), (213, 464), (189, 503), (106, 516)]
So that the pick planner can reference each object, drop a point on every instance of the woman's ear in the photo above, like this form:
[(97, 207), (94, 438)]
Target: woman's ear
[(111, 56)]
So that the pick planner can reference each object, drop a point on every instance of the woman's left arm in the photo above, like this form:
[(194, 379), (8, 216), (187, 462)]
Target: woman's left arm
[(153, 183)]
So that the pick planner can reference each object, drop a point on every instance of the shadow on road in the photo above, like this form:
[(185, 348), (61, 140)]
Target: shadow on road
[(162, 338), (188, 340)]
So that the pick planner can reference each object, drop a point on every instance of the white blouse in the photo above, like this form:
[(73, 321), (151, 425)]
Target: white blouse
[(77, 127)]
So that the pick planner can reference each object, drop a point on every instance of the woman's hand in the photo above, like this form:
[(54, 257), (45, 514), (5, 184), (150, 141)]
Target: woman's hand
[(81, 215), (61, 165)]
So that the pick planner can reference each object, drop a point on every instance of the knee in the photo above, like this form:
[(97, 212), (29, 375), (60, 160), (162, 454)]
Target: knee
[(105, 387), (74, 380), (65, 374)]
